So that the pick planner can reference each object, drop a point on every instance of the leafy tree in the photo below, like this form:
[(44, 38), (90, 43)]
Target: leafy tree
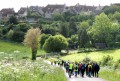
[(43, 38), (55, 43), (10, 34), (117, 16), (100, 31), (32, 40), (18, 36), (48, 29), (64, 29), (83, 38), (58, 17), (72, 28), (22, 27), (73, 41), (111, 9), (13, 20)]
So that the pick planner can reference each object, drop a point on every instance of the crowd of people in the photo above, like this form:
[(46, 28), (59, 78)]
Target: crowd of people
[(75, 68)]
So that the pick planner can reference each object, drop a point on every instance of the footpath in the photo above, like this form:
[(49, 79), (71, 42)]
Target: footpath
[(78, 78)]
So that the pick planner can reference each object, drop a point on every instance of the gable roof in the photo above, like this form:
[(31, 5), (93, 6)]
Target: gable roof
[(7, 11), (51, 8), (22, 10)]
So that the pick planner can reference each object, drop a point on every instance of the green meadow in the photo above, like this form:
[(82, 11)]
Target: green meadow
[(16, 50), (95, 56)]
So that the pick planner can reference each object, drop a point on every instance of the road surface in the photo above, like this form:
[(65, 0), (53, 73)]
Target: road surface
[(78, 78)]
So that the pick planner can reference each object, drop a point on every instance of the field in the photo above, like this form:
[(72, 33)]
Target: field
[(15, 50), (14, 68), (95, 56)]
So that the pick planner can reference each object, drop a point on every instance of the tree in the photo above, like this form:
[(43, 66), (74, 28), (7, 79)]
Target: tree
[(116, 16), (100, 31), (55, 43), (58, 17), (32, 40), (43, 38), (83, 38), (72, 28), (13, 20), (64, 29)]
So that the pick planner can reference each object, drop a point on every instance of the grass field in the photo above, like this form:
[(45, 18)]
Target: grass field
[(110, 75), (15, 50), (96, 56)]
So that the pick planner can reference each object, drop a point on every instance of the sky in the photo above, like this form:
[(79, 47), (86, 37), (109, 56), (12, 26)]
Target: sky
[(16, 4)]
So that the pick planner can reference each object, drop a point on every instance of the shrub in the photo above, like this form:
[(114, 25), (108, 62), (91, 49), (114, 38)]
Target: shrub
[(107, 60), (86, 60)]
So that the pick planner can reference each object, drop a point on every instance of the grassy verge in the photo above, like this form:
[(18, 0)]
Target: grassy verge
[(110, 75), (15, 50), (26, 70)]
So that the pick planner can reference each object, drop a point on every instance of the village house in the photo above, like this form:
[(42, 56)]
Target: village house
[(22, 12), (52, 9), (36, 9), (7, 12)]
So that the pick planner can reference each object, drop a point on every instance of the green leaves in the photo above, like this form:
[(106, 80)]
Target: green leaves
[(55, 43)]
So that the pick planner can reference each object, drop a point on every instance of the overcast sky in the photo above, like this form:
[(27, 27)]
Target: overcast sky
[(16, 4)]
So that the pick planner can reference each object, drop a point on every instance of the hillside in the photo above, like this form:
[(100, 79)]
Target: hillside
[(96, 56), (15, 50)]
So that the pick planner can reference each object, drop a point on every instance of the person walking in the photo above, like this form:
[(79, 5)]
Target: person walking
[(96, 68), (76, 69), (89, 69), (70, 69), (82, 70)]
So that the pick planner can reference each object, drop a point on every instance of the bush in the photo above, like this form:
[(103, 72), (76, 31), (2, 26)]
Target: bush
[(116, 65), (55, 43), (86, 60), (107, 60)]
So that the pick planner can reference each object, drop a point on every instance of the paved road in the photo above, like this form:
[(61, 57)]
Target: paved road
[(78, 78)]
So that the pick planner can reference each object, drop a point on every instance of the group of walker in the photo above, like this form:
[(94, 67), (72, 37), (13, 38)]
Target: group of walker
[(75, 68)]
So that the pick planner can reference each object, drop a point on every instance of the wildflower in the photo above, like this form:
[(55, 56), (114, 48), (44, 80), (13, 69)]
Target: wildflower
[(16, 51)]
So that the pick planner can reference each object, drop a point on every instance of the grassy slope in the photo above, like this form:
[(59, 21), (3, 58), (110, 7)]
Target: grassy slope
[(110, 75), (96, 56), (9, 49)]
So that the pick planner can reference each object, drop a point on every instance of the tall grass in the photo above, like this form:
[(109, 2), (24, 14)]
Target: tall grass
[(110, 75), (26, 70), (8, 49)]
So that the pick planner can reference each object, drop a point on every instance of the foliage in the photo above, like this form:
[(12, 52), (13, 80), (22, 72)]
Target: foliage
[(101, 29), (112, 9), (83, 38), (73, 41), (13, 20), (58, 17), (10, 34), (72, 28), (106, 60), (18, 36), (64, 29), (55, 43), (43, 38), (32, 40)]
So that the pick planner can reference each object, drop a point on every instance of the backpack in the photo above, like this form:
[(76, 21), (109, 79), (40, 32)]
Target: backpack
[(83, 67)]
